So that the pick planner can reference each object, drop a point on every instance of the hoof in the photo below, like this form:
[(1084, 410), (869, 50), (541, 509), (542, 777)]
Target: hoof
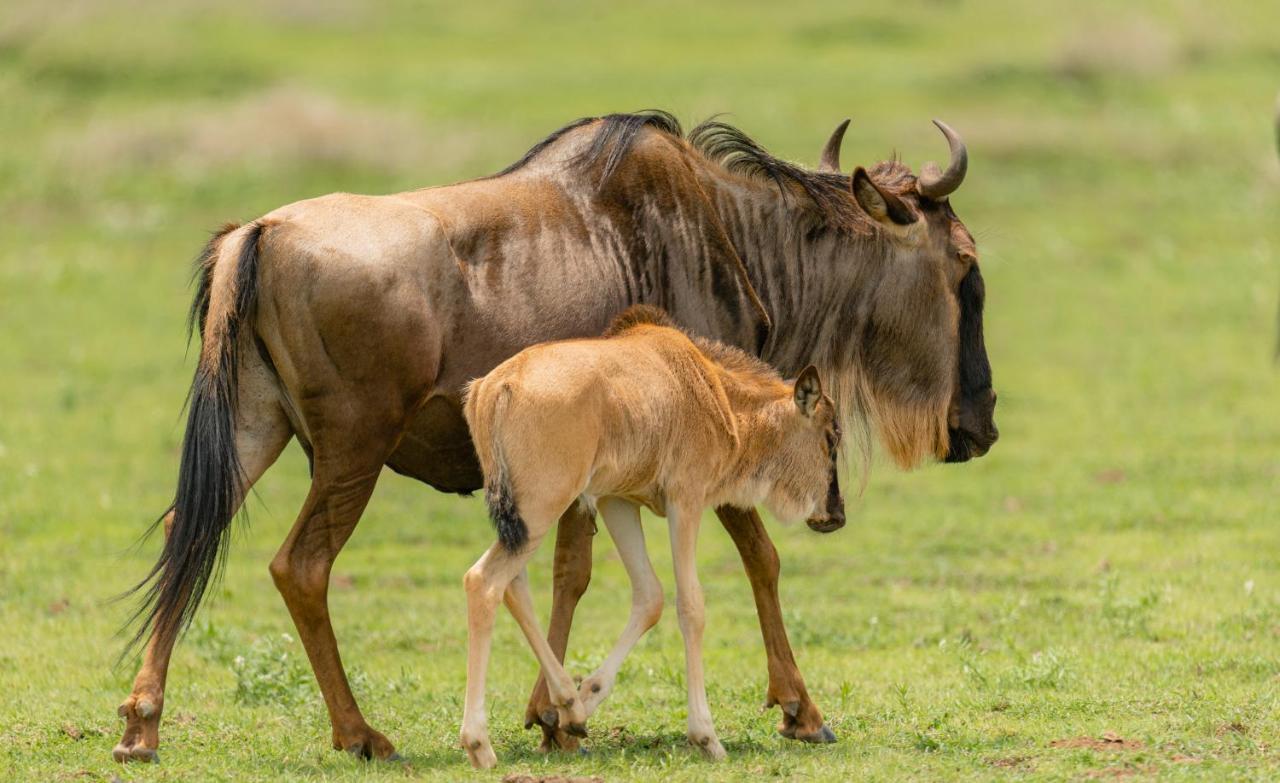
[(124, 754), (823, 736), (142, 730), (556, 740), (368, 746), (480, 753), (804, 723), (710, 748)]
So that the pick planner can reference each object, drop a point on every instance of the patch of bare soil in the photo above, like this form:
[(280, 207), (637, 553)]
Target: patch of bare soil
[(524, 777), (1234, 727), (1008, 762), (1108, 741), (1110, 476), (1113, 773)]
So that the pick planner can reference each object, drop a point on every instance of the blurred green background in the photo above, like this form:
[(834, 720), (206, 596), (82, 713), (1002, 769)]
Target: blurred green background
[(1111, 566)]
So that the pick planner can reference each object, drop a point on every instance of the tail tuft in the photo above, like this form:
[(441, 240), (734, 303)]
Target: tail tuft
[(512, 531), (210, 477)]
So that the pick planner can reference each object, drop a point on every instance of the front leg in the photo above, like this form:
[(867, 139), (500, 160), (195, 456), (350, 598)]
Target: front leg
[(689, 609), (623, 521), (801, 718), (571, 573)]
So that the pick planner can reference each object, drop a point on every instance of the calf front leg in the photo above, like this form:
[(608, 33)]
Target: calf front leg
[(801, 718), (571, 574), (623, 521), (689, 609)]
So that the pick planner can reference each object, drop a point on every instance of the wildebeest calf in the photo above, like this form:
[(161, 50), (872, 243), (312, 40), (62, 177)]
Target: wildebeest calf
[(645, 415)]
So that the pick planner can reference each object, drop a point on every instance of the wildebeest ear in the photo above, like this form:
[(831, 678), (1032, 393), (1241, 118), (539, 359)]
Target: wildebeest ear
[(884, 207), (808, 390)]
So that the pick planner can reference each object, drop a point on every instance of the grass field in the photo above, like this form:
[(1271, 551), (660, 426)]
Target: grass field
[(1112, 566)]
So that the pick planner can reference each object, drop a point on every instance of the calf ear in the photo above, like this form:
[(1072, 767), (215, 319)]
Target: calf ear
[(808, 390), (884, 207)]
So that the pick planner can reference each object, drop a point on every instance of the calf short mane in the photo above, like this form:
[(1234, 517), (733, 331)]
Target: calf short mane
[(731, 358), (734, 151)]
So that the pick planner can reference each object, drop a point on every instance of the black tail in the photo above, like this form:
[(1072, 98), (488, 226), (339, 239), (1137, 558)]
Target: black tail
[(512, 531), (210, 475)]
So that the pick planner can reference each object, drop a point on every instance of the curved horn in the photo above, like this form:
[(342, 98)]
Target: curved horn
[(831, 153), (935, 183)]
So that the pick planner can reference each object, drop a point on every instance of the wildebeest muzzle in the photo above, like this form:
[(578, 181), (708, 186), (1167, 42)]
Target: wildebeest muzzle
[(974, 428)]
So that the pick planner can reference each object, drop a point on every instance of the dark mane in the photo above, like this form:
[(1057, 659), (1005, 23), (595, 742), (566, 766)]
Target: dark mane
[(732, 149), (727, 356), (537, 149), (612, 142), (740, 154)]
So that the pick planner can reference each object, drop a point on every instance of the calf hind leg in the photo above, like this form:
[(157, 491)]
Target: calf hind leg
[(570, 713), (495, 576), (571, 575)]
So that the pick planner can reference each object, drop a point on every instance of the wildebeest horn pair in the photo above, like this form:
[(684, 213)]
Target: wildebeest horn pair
[(933, 182)]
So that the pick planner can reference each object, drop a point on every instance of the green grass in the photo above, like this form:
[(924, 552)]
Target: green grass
[(1110, 566)]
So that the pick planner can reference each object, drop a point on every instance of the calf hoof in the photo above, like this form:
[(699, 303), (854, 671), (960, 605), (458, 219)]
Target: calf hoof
[(480, 752), (592, 693), (569, 717), (709, 746)]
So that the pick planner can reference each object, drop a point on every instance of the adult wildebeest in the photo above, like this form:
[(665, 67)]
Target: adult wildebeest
[(353, 322), (644, 415)]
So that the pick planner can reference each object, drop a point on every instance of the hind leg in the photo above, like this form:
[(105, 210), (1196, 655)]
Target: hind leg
[(495, 577), (262, 431), (347, 464), (571, 573), (569, 714), (623, 521), (486, 584)]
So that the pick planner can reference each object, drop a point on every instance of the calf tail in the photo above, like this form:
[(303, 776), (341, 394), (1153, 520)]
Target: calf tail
[(484, 407), (513, 533)]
